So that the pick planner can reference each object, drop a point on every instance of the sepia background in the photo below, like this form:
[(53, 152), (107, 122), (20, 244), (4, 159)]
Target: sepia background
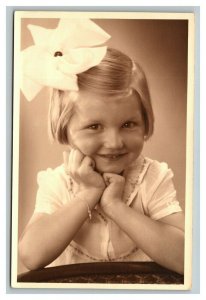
[(160, 46)]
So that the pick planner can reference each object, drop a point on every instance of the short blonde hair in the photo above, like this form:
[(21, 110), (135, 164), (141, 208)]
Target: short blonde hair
[(116, 75)]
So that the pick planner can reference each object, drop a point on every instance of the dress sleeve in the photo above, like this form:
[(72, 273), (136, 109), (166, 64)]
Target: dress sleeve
[(50, 194), (160, 197)]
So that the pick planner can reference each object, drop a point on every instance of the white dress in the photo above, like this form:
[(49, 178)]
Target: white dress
[(149, 190)]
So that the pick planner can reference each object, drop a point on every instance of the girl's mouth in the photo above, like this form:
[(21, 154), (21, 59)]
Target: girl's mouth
[(115, 156)]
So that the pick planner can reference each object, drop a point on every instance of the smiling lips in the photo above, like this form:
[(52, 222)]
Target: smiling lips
[(112, 156)]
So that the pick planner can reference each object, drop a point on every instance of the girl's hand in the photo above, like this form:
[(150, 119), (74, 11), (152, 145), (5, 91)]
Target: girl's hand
[(81, 169), (113, 192)]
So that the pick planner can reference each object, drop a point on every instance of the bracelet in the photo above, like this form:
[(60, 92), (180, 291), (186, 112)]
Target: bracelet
[(71, 190), (88, 208)]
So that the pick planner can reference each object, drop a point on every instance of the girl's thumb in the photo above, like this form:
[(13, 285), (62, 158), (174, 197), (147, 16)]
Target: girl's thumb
[(107, 178), (113, 178), (66, 160)]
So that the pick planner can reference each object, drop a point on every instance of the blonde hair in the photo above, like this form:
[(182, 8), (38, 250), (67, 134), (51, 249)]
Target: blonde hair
[(116, 75)]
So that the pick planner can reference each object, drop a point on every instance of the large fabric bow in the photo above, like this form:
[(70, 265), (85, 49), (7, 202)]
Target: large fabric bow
[(59, 54)]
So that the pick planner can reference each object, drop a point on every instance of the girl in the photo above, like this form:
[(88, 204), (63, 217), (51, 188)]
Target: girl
[(107, 202)]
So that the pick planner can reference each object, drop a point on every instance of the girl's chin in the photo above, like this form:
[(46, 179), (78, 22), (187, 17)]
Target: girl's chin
[(116, 166), (109, 169)]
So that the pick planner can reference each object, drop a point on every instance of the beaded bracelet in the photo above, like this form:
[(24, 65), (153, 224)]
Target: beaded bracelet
[(88, 208), (72, 192)]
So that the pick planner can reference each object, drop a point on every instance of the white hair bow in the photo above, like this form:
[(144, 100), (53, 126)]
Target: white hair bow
[(59, 54)]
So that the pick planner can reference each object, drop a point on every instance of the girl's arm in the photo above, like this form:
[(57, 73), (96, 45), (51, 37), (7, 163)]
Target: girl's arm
[(46, 236), (162, 240)]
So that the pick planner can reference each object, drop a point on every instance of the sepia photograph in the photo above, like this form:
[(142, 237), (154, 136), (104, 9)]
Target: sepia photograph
[(103, 124)]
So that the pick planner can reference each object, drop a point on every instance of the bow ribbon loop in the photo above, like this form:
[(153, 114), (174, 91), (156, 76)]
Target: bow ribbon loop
[(58, 55)]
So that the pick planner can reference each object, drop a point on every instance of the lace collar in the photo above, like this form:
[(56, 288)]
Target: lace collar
[(134, 175)]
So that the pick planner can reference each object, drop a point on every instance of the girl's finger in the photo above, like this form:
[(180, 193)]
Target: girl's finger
[(87, 164), (70, 161), (113, 178), (76, 160), (107, 178), (66, 161)]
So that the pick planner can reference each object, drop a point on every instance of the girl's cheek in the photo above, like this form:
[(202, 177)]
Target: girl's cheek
[(85, 145), (134, 140), (136, 145), (88, 148)]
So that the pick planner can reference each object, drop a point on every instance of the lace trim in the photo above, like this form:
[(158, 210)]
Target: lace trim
[(75, 249), (135, 176)]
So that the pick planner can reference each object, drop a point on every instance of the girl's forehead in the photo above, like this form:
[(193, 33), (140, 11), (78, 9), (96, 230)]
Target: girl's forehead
[(90, 106), (86, 100)]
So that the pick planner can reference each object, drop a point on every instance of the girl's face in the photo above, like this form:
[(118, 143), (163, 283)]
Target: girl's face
[(109, 130)]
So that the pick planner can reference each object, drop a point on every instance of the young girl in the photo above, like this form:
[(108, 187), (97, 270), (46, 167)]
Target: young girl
[(107, 202)]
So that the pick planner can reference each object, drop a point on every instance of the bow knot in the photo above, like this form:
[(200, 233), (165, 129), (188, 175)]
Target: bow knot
[(58, 53)]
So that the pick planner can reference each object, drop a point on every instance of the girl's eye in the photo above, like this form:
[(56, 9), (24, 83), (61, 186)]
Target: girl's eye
[(129, 125), (94, 126)]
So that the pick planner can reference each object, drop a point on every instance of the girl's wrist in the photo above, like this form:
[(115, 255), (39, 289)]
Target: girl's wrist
[(113, 208), (91, 196)]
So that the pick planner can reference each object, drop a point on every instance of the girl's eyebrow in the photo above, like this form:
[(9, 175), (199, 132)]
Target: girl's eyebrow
[(137, 118), (89, 122), (86, 122)]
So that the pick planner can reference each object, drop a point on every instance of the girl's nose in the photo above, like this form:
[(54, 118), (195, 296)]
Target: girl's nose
[(113, 139)]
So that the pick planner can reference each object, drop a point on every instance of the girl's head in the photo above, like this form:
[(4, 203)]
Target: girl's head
[(109, 117)]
